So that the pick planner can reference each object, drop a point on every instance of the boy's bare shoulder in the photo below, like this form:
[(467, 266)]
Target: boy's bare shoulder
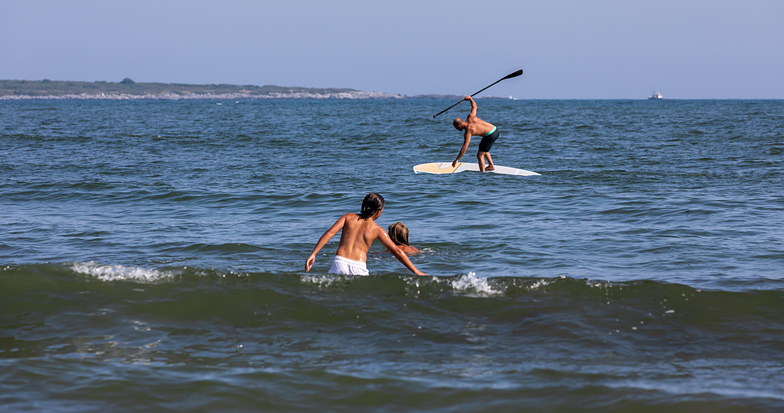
[(350, 217), (344, 220), (380, 232), (408, 249)]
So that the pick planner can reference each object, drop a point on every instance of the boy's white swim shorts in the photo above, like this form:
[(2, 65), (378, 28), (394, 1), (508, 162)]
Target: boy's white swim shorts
[(346, 266)]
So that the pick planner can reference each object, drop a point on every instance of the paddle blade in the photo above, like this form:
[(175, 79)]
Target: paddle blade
[(515, 74)]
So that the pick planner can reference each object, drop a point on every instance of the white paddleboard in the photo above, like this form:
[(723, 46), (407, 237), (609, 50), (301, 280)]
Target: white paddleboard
[(446, 168)]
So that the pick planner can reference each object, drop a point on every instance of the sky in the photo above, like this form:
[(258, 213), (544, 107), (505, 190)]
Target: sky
[(568, 49)]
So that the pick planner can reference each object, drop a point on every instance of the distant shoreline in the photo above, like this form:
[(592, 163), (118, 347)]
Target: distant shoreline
[(130, 90), (197, 96), (358, 95)]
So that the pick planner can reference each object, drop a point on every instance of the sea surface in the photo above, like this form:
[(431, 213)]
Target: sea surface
[(152, 257)]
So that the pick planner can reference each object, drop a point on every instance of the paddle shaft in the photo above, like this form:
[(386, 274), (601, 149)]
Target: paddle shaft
[(511, 75)]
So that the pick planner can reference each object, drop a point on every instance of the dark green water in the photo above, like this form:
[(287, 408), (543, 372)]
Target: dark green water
[(152, 258)]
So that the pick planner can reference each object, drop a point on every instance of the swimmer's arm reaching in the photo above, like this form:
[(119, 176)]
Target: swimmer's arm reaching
[(402, 257), (331, 232)]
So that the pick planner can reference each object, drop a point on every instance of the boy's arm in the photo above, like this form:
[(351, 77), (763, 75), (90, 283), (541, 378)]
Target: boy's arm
[(323, 241), (402, 257)]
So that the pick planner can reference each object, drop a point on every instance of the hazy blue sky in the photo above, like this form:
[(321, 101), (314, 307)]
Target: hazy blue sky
[(568, 49)]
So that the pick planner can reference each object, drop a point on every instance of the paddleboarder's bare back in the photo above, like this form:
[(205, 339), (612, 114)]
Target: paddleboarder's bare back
[(473, 126)]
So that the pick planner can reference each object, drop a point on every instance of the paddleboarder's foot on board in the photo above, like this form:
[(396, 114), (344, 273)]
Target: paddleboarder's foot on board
[(489, 168)]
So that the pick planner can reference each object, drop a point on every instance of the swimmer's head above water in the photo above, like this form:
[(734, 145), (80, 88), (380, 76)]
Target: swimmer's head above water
[(372, 203), (398, 233)]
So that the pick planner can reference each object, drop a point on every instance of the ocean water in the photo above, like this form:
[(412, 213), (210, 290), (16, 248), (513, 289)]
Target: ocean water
[(152, 257)]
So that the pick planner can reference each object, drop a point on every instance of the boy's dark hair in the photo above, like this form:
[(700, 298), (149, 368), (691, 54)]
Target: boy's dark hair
[(398, 233), (372, 203)]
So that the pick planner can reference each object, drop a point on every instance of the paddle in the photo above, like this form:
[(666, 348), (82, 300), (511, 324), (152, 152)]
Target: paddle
[(509, 76)]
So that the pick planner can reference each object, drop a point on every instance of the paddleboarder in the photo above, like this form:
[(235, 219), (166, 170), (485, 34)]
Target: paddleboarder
[(473, 126)]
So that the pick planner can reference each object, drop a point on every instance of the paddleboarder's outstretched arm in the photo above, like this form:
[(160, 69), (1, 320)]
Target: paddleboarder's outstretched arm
[(473, 107), (466, 141)]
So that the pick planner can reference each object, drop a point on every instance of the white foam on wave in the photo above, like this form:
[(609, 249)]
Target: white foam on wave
[(122, 273), (469, 283), (472, 283), (322, 280), (538, 284)]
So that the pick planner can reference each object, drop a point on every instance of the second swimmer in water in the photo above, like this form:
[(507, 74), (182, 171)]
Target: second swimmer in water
[(398, 233)]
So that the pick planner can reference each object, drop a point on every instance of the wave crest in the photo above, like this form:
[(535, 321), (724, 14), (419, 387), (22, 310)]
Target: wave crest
[(472, 283), (123, 273)]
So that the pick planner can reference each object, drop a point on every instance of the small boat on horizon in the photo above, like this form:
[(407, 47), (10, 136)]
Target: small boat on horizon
[(656, 95)]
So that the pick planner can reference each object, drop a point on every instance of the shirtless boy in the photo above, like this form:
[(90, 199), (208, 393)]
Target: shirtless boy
[(359, 232), (473, 126)]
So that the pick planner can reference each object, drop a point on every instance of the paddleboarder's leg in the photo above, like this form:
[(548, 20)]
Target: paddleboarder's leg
[(490, 164)]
